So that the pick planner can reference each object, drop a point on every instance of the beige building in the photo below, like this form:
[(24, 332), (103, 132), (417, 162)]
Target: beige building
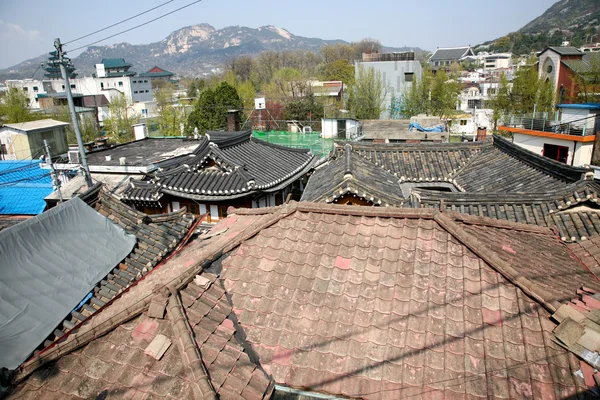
[(25, 140)]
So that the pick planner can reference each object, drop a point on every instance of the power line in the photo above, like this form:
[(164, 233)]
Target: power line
[(138, 26), (118, 23)]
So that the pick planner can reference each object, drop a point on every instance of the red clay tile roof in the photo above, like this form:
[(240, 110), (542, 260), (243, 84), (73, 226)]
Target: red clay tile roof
[(354, 301), (204, 358)]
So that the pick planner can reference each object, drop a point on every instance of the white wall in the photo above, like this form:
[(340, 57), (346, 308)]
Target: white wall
[(577, 117), (583, 153)]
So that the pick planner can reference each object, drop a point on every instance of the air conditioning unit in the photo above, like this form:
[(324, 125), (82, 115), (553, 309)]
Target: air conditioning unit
[(307, 129), (73, 157)]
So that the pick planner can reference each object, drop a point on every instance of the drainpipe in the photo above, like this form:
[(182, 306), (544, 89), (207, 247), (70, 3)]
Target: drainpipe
[(574, 150)]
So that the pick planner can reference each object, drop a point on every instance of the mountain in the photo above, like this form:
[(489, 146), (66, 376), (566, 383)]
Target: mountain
[(190, 51), (575, 21)]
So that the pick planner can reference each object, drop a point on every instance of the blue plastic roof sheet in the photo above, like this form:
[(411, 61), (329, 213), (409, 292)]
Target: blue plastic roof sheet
[(23, 187)]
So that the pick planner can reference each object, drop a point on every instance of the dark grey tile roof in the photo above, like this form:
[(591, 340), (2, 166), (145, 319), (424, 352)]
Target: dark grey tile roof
[(225, 165), (565, 51), (585, 64), (573, 210), (348, 172), (454, 53)]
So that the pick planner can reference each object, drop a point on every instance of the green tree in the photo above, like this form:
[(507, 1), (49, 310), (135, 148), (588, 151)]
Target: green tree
[(121, 120), (340, 70), (307, 108), (433, 95), (587, 80), (501, 102), (210, 110), (171, 115), (367, 94), (88, 126), (14, 107)]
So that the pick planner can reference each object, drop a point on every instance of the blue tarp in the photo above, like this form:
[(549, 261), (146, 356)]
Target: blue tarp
[(23, 186), (418, 127)]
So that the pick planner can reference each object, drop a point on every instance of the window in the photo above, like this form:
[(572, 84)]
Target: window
[(101, 85), (557, 153), (147, 91), (134, 81), (63, 87), (135, 91), (35, 88), (463, 122), (3, 149), (72, 86), (145, 81), (492, 91), (408, 76), (120, 84), (25, 89), (36, 100)]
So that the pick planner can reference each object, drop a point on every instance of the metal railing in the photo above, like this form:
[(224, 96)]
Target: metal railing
[(541, 122)]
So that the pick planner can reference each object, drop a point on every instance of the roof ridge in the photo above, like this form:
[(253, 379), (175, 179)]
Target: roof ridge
[(498, 223), (278, 146), (190, 354), (448, 223)]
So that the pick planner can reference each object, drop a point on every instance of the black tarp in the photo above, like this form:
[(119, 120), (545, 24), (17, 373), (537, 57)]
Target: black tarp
[(48, 264)]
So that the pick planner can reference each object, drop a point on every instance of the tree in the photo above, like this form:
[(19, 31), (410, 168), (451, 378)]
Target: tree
[(14, 107), (340, 70), (210, 110), (367, 94), (433, 95), (88, 126), (170, 116), (307, 108), (501, 102), (121, 120), (338, 51)]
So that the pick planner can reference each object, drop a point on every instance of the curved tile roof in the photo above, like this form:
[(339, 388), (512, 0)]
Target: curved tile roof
[(225, 165)]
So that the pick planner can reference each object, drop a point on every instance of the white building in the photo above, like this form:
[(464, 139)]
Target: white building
[(497, 61), (398, 73), (340, 128), (573, 141)]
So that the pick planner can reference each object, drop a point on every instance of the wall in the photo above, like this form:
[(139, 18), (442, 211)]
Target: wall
[(17, 145), (583, 153), (549, 58), (56, 138), (329, 128), (576, 116), (393, 78)]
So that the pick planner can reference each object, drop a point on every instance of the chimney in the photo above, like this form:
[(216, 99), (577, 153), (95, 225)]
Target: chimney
[(233, 120), (481, 134)]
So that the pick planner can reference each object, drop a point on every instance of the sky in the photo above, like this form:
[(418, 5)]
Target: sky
[(28, 27)]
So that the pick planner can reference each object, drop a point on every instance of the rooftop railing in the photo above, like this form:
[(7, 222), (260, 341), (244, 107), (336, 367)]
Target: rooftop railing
[(542, 123)]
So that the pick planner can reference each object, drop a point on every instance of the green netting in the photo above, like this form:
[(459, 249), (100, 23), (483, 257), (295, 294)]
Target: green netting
[(312, 141)]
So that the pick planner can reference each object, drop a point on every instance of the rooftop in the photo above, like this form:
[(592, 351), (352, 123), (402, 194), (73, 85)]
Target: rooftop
[(224, 166), (23, 186), (115, 63), (564, 51), (450, 53), (405, 302), (34, 126), (156, 72)]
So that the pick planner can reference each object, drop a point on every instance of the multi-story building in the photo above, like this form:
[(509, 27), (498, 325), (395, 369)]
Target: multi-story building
[(398, 72)]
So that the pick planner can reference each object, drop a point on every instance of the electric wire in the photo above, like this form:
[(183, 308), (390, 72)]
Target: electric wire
[(137, 26), (118, 23)]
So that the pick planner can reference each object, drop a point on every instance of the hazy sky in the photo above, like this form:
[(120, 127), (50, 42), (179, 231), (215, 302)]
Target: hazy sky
[(28, 27)]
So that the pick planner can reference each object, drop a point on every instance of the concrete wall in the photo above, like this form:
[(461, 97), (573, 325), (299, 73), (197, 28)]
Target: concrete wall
[(329, 128), (398, 130), (21, 146), (549, 59), (581, 156), (576, 117), (393, 78)]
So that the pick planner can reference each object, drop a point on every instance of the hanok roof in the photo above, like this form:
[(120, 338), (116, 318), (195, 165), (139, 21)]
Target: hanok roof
[(572, 210), (34, 126), (156, 72), (349, 173), (157, 236), (23, 186), (451, 53), (348, 301), (115, 63), (225, 165), (48, 264), (493, 166)]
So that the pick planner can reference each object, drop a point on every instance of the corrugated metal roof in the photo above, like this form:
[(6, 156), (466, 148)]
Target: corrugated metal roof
[(23, 186)]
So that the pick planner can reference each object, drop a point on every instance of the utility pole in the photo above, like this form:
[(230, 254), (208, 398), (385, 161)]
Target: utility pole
[(62, 60), (55, 179)]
